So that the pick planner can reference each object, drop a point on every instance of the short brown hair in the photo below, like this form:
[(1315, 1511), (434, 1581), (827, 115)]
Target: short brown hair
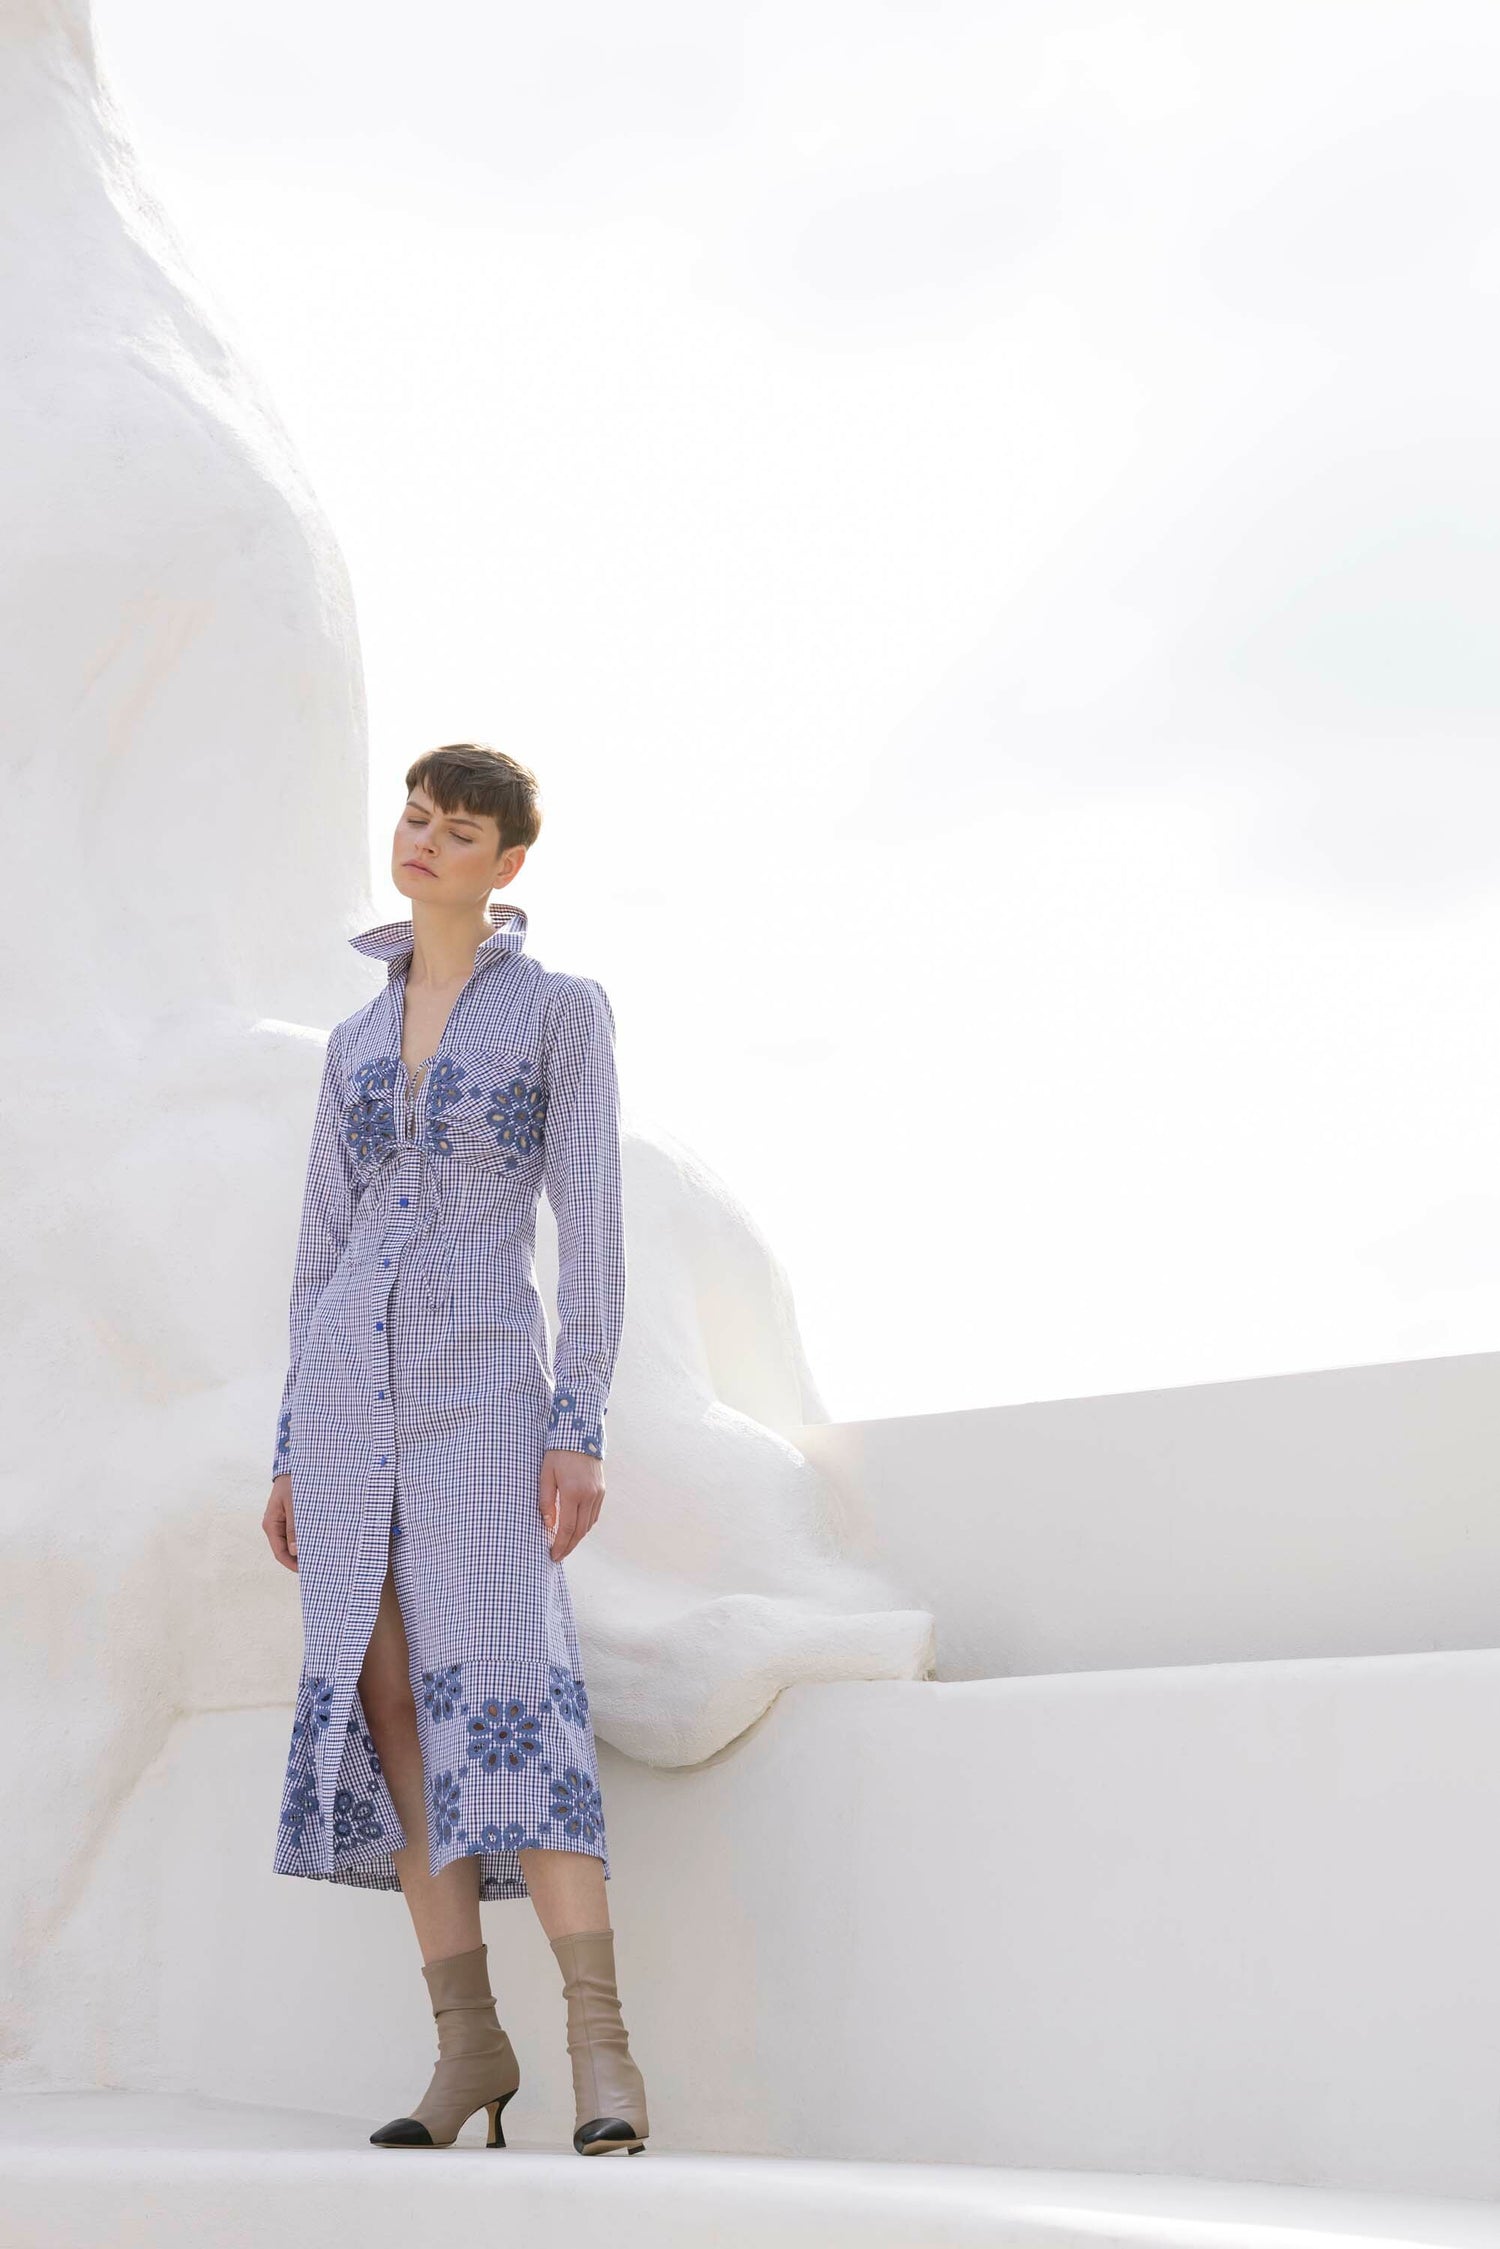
[(471, 777)]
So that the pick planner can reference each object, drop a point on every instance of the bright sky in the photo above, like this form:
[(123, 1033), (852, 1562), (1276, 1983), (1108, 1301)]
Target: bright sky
[(984, 519)]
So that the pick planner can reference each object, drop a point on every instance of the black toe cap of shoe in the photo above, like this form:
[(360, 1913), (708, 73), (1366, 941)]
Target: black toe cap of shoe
[(604, 2132), (403, 2131)]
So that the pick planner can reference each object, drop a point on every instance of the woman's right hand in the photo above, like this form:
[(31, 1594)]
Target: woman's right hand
[(277, 1522)]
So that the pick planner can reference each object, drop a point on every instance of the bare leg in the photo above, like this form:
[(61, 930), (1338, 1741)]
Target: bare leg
[(444, 1909), (567, 1889)]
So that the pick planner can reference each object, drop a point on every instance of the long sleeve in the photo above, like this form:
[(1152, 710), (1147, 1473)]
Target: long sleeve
[(328, 1204), (581, 1151)]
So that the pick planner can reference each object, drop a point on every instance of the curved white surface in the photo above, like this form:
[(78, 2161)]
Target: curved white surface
[(185, 770), (716, 1575)]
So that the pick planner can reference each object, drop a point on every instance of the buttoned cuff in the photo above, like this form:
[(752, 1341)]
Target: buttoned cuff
[(576, 1422)]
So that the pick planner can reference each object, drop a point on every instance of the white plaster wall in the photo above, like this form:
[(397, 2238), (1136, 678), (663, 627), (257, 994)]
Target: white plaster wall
[(1352, 1511)]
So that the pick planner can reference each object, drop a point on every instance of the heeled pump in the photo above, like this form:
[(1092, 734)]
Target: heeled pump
[(477, 2066), (608, 2094)]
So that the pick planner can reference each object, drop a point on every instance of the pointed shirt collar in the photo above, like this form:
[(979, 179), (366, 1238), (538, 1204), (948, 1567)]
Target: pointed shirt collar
[(392, 940)]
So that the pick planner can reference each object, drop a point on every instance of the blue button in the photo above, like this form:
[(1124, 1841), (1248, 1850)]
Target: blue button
[(380, 1393), (385, 1261), (403, 1202), (384, 1462), (380, 1323)]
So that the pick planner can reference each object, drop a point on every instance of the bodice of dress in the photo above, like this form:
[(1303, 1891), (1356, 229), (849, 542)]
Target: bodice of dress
[(428, 1175)]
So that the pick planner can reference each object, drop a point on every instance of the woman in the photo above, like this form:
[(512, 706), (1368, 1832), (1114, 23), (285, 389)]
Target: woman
[(431, 1472)]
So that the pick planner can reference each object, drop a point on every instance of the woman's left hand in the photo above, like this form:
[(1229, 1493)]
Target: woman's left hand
[(570, 1494)]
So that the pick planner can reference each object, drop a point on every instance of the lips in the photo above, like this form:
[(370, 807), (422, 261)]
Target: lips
[(417, 868)]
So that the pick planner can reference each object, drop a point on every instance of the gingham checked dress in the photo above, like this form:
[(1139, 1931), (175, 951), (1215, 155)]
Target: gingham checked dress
[(419, 1401)]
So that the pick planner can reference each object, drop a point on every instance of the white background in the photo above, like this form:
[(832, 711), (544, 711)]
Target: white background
[(983, 519)]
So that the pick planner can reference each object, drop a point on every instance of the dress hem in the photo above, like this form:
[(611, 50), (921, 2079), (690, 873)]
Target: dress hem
[(500, 1870)]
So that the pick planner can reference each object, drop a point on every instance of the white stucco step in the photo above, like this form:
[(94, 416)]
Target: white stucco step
[(1234, 1921), (1343, 1512), (152, 2171)]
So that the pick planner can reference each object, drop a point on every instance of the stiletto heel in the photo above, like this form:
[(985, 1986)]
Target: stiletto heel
[(608, 2095), (477, 2066)]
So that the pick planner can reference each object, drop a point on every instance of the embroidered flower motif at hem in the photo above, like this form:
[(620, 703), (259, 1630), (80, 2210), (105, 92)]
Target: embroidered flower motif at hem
[(319, 1706), (445, 1809), (511, 1837), (569, 1695), (300, 1806), (577, 1806), (504, 1735), (354, 1819), (442, 1691)]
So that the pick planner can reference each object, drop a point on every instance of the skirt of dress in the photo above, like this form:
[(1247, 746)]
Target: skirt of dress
[(508, 1753)]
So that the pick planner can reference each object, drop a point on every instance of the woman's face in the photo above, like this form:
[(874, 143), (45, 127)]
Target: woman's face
[(449, 858)]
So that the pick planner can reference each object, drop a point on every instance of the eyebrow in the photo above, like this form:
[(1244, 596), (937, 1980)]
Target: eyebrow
[(472, 818)]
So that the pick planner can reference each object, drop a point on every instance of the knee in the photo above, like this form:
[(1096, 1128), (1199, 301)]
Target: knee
[(388, 1705)]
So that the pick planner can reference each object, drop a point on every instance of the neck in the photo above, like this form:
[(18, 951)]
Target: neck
[(445, 940)]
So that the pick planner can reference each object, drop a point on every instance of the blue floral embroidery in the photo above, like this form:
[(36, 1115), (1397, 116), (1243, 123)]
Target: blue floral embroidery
[(442, 1690), (504, 1734), (569, 1695), (516, 1113), (284, 1432), (372, 1753), (354, 1819), (577, 1805), (590, 1440), (300, 1807), (445, 1807), (319, 1707), (370, 1118), (443, 1090), (511, 1837)]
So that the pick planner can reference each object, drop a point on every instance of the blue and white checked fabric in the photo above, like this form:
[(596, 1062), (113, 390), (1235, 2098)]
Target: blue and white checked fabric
[(419, 1401)]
